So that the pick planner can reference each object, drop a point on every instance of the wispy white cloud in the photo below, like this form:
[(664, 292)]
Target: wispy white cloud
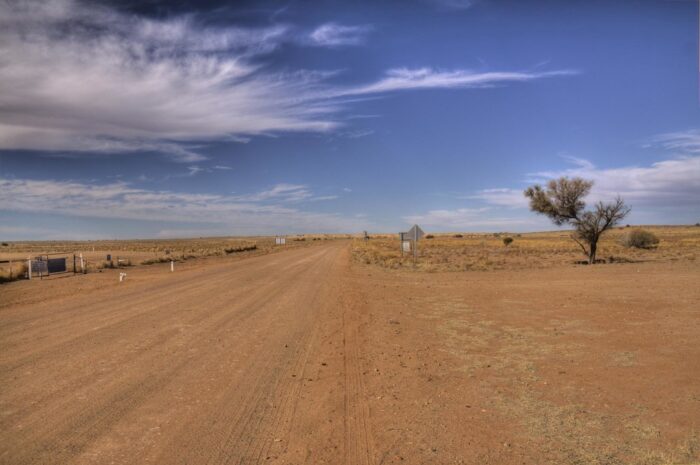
[(358, 133), (284, 192), (452, 5), (503, 197), (673, 183), (288, 193), (81, 78), (663, 191), (336, 35), (468, 219), (193, 170), (428, 78), (683, 141), (264, 212)]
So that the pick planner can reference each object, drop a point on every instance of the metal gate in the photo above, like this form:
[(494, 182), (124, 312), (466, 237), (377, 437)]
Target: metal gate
[(57, 265)]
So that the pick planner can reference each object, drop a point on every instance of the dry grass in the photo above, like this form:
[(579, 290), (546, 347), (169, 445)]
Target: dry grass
[(16, 271), (461, 252)]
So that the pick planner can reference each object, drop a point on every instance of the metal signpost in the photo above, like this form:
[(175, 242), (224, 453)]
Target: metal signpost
[(409, 240)]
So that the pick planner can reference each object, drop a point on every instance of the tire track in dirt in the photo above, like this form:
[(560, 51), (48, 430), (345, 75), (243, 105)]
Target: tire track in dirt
[(359, 446), (106, 316), (89, 425), (150, 350), (253, 417)]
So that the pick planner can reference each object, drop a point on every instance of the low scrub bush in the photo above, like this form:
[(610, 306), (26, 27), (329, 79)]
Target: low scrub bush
[(429, 236), (244, 248), (640, 239), (153, 261), (458, 236), (507, 241)]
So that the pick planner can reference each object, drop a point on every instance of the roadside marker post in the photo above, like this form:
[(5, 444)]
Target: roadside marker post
[(415, 233), (409, 240), (172, 266)]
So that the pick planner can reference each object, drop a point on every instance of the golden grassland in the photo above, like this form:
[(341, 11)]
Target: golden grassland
[(482, 252), (143, 251)]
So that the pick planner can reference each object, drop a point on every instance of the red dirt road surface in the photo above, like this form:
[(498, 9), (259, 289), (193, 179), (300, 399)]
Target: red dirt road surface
[(304, 357)]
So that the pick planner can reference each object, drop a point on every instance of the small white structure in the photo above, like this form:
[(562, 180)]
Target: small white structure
[(280, 240), (122, 277)]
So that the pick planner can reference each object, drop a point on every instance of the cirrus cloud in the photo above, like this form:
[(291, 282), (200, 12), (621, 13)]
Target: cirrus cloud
[(78, 77), (335, 35)]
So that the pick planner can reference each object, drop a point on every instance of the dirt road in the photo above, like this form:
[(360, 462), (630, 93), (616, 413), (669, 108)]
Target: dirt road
[(302, 357), (193, 367)]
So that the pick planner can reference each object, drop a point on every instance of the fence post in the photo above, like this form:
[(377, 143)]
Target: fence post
[(172, 266), (29, 268)]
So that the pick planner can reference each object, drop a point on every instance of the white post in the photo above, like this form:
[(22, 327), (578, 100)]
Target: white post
[(172, 266), (29, 268), (122, 277), (82, 263)]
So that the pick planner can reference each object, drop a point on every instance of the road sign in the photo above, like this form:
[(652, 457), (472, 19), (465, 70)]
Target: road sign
[(415, 233)]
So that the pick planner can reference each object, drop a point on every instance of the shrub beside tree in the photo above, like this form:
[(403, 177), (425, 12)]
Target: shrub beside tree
[(640, 239), (562, 200)]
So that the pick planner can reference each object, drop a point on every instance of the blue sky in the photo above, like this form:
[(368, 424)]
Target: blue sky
[(175, 119)]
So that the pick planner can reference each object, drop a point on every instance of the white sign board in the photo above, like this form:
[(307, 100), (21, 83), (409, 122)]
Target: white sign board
[(406, 246), (280, 240)]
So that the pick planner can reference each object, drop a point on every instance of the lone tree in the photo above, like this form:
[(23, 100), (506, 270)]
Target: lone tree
[(562, 202)]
